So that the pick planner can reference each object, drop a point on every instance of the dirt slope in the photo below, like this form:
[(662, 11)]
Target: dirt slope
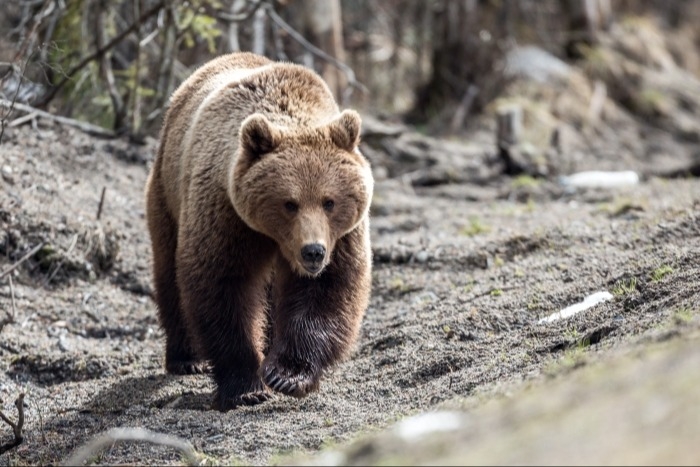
[(463, 273)]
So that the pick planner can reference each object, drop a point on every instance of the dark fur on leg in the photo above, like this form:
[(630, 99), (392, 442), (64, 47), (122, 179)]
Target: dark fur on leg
[(316, 320)]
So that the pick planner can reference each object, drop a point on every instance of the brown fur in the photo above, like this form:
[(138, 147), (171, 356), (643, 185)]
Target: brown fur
[(256, 162)]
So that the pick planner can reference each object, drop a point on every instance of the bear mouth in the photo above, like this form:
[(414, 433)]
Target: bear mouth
[(313, 268)]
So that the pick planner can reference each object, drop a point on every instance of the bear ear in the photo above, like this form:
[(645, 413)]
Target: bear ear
[(258, 136), (345, 130)]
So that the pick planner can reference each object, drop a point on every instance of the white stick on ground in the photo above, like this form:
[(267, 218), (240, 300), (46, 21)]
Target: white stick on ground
[(114, 435)]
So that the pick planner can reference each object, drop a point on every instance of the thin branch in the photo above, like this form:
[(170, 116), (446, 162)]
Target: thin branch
[(24, 258), (86, 127), (16, 427), (29, 39), (349, 73), (463, 108), (48, 34), (242, 16), (63, 260), (21, 120), (41, 420), (14, 98), (114, 435), (100, 52), (12, 299), (102, 202)]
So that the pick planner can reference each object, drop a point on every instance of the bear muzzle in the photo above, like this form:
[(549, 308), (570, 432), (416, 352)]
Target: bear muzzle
[(313, 256)]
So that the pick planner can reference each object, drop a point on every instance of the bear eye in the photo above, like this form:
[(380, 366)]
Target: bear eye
[(291, 206), (328, 205)]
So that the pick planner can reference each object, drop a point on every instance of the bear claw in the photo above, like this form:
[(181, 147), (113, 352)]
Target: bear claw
[(188, 367), (296, 385), (249, 398)]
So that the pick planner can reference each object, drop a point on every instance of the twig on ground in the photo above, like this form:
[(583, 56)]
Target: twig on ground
[(488, 292), (19, 121), (60, 263), (463, 108), (12, 299), (102, 201), (86, 127), (37, 407), (16, 427), (24, 258), (133, 434)]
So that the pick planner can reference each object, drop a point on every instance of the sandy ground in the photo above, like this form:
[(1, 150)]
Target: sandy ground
[(463, 275)]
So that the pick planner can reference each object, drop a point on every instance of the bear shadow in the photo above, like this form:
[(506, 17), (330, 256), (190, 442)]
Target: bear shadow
[(135, 391), (106, 407)]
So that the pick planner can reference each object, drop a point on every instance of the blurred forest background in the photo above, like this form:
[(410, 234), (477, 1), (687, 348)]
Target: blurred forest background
[(434, 63)]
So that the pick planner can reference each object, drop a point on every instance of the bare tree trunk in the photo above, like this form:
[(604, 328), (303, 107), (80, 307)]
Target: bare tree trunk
[(106, 68), (233, 43), (461, 60), (585, 19), (259, 23), (136, 96), (167, 58), (323, 25)]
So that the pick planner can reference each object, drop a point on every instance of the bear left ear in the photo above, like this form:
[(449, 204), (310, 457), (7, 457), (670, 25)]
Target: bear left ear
[(345, 130), (258, 136)]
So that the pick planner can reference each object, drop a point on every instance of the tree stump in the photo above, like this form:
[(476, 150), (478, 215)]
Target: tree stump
[(509, 121)]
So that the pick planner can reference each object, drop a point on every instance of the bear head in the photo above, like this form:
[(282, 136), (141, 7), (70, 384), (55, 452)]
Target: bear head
[(305, 189)]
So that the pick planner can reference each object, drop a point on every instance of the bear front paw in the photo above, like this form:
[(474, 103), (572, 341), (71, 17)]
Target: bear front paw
[(225, 403), (289, 382), (187, 367)]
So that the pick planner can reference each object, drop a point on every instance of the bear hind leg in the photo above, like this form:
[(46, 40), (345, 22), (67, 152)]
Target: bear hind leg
[(180, 357)]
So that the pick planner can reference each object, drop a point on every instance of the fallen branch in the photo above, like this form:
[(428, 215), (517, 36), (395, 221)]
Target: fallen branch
[(24, 258), (114, 435), (22, 120), (83, 126), (16, 427)]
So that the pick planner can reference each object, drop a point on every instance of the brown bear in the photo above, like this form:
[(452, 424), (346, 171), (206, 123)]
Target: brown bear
[(258, 212)]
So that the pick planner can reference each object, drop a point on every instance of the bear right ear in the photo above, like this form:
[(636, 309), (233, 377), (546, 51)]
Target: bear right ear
[(345, 130), (258, 136)]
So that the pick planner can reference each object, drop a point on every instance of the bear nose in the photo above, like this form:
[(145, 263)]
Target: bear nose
[(313, 253)]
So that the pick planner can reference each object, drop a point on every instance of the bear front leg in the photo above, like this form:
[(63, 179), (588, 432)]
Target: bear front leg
[(180, 357), (223, 298), (316, 320)]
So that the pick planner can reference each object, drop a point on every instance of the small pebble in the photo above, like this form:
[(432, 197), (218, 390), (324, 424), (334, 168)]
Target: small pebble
[(63, 344), (7, 174), (422, 256)]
